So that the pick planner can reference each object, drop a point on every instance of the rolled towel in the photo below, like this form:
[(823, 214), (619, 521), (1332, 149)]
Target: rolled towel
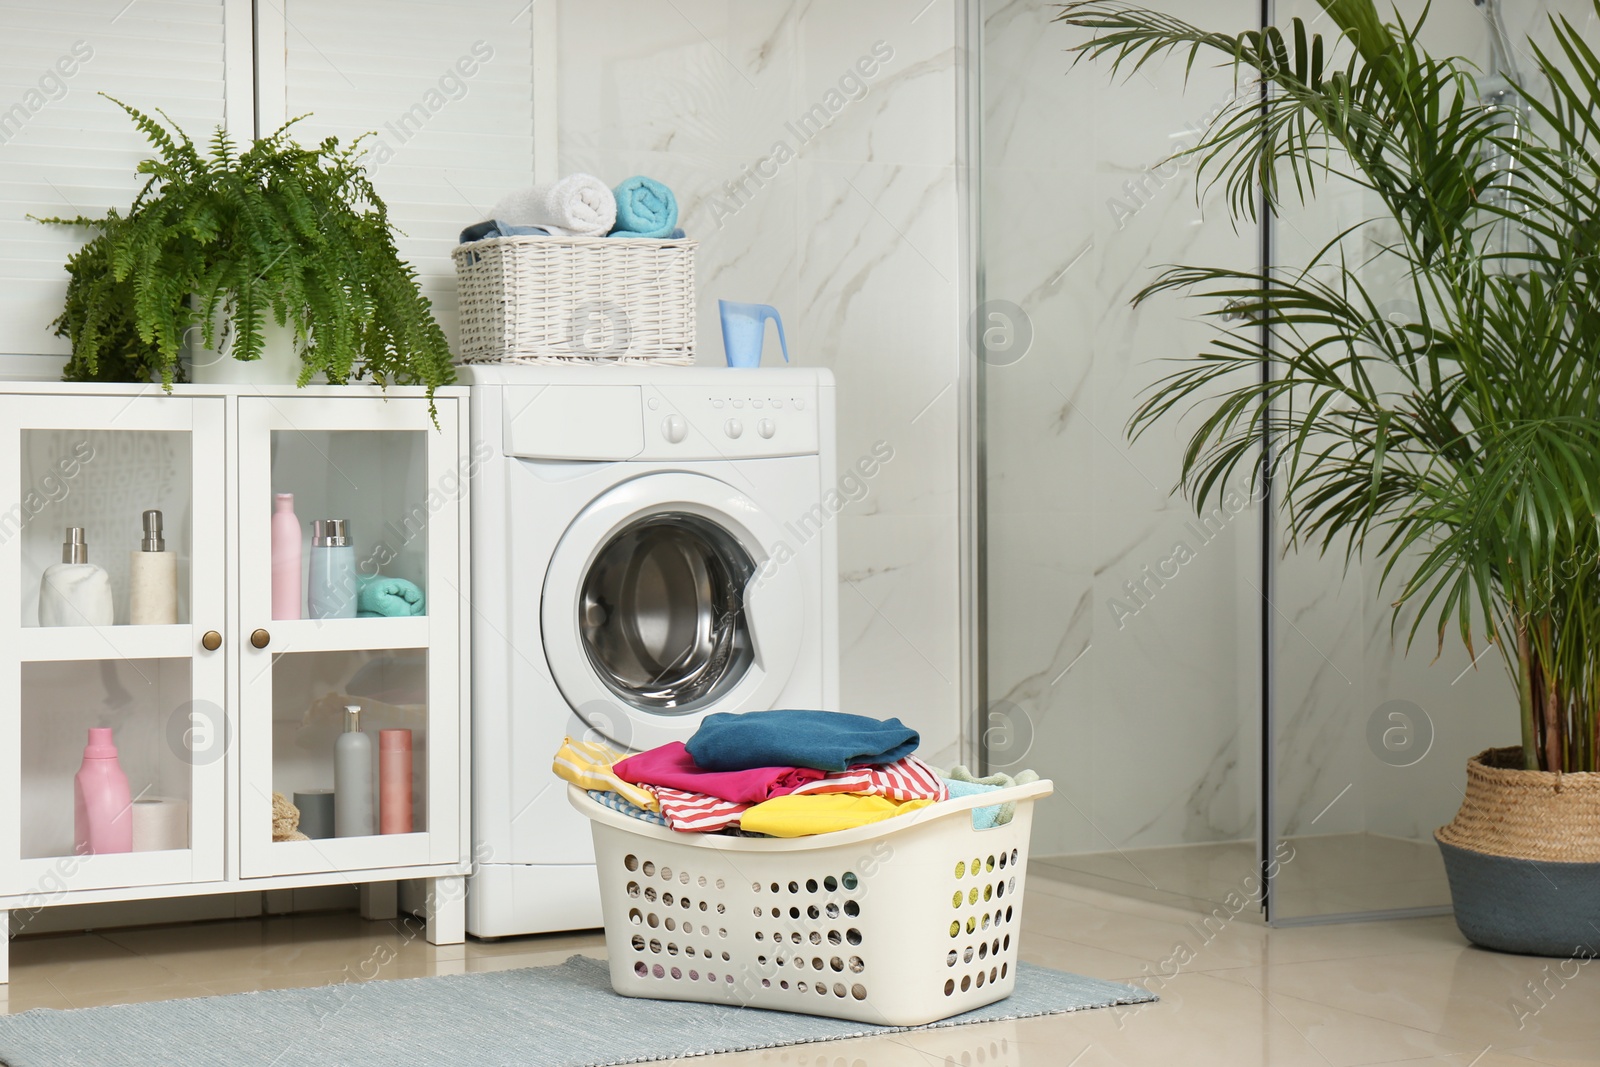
[(377, 595), (645, 208), (962, 783), (579, 205)]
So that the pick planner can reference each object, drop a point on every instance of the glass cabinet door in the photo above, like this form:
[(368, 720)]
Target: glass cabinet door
[(112, 676), (351, 509)]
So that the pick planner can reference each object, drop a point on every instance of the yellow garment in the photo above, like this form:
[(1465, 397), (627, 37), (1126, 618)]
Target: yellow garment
[(821, 813), (588, 764)]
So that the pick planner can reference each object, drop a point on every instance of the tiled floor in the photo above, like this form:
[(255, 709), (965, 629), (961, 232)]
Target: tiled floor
[(1233, 993), (1330, 874)]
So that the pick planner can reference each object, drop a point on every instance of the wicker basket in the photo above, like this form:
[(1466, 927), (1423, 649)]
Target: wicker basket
[(576, 299), (1523, 858), (1526, 815)]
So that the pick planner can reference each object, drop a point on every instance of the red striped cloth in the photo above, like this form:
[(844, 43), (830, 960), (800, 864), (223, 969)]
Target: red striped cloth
[(904, 779), (698, 813)]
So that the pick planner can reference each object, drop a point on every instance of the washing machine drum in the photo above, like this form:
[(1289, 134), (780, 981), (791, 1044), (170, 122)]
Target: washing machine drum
[(660, 607), (662, 612)]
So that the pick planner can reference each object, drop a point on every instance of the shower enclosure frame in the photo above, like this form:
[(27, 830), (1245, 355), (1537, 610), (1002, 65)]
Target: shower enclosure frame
[(975, 579)]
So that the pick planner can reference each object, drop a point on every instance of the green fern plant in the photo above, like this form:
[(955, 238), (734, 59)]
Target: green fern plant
[(1460, 447), (278, 230)]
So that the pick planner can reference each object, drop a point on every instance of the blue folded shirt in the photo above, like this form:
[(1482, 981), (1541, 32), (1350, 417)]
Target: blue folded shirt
[(826, 740)]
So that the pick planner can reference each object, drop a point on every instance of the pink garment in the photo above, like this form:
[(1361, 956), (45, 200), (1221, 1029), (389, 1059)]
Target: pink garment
[(672, 766)]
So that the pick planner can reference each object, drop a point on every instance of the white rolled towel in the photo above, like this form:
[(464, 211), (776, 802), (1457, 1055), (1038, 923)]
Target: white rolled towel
[(579, 205)]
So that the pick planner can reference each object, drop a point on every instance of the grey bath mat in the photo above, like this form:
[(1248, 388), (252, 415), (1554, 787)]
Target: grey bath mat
[(565, 1016)]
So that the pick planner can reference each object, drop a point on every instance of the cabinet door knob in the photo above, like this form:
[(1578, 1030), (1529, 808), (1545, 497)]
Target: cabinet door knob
[(260, 638), (211, 641)]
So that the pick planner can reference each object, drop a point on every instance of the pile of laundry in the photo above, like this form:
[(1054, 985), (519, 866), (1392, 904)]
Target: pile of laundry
[(776, 774)]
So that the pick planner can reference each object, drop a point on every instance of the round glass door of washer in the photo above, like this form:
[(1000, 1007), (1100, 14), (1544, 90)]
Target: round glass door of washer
[(661, 612), (663, 603)]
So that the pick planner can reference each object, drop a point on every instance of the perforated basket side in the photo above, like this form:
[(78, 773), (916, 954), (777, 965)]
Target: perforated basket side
[(914, 924)]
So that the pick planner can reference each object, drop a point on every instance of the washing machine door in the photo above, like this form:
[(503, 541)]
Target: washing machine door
[(666, 600)]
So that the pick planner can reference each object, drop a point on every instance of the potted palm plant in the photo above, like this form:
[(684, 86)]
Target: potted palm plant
[(1460, 446), (220, 245)]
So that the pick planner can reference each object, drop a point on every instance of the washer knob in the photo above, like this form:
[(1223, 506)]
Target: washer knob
[(733, 427), (674, 428), (765, 428)]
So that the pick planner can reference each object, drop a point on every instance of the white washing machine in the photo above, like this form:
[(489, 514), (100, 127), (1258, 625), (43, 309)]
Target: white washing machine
[(649, 545)]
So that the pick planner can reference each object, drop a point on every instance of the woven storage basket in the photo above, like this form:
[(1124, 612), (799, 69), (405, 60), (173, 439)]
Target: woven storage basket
[(1523, 858), (545, 299), (1526, 815), (897, 923)]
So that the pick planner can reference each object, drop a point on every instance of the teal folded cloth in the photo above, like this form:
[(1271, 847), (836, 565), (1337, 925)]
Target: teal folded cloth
[(645, 208), (379, 596), (825, 740), (963, 784)]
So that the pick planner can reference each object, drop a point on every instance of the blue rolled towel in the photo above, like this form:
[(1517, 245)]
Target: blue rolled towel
[(826, 740), (377, 595), (645, 208)]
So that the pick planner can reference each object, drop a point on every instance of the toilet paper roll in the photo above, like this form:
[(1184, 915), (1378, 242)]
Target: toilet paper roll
[(160, 823), (316, 812)]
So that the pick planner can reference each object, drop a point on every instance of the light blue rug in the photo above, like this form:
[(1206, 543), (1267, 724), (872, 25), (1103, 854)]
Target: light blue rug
[(564, 1016)]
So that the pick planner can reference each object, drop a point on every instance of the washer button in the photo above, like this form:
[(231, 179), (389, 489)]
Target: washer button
[(736, 402), (765, 428), (653, 403), (733, 427), (775, 404), (799, 405), (716, 403), (674, 428), (755, 403)]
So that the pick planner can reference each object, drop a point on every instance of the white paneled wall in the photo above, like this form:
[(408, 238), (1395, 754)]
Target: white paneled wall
[(65, 151), (448, 90)]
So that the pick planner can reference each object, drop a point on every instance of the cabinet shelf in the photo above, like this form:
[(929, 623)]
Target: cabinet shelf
[(347, 635), (44, 644)]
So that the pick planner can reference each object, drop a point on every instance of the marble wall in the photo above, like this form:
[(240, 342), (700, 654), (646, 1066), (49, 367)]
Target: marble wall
[(1122, 631), (812, 147)]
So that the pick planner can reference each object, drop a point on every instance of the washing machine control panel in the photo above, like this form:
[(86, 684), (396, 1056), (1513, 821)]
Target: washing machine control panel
[(701, 419), (698, 422)]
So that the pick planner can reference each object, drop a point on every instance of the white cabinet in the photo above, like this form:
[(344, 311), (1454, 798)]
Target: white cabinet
[(229, 705)]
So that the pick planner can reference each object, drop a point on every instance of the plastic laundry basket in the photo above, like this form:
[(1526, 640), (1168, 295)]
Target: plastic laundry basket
[(899, 923)]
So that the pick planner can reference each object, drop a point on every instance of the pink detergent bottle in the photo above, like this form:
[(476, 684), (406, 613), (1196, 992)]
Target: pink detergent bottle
[(285, 558), (104, 816)]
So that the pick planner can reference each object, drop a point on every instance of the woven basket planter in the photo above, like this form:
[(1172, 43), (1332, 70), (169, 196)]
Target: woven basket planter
[(576, 300), (1523, 858)]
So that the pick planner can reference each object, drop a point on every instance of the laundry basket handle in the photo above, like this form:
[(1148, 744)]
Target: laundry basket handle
[(1004, 795)]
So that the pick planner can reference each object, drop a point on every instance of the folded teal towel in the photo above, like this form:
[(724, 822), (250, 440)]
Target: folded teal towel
[(645, 208), (963, 784), (825, 740), (377, 595)]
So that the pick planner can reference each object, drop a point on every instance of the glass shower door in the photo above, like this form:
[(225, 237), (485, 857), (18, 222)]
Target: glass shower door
[(1122, 629)]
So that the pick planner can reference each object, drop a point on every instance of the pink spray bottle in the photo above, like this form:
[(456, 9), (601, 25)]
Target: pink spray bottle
[(285, 558), (104, 816)]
